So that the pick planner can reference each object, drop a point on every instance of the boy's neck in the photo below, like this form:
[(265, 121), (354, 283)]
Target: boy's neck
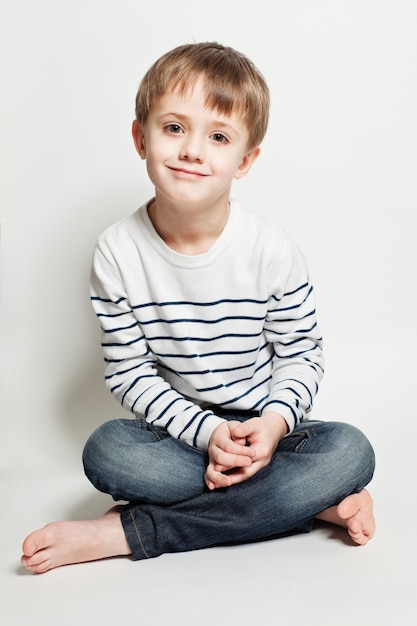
[(189, 231)]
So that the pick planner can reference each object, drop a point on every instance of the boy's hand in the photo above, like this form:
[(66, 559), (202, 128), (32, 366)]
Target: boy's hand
[(226, 451), (238, 450)]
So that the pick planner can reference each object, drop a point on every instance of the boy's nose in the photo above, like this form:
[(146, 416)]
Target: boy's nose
[(192, 149)]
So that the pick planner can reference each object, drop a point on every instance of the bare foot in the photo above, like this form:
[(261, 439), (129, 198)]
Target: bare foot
[(62, 543), (354, 513)]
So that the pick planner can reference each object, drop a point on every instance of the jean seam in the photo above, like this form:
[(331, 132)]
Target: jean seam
[(157, 433), (138, 535), (308, 434), (193, 448)]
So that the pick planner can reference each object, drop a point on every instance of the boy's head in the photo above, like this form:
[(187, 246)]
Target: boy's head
[(231, 83)]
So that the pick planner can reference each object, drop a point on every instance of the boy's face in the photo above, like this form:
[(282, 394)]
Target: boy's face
[(192, 152)]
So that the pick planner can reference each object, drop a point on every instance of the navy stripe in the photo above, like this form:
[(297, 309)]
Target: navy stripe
[(187, 426), (297, 319), (302, 384), (115, 330), (249, 391), (196, 320), (210, 371), (155, 400), (199, 428), (133, 384), (111, 315), (108, 300), (260, 402), (190, 303), (121, 345), (295, 306), (295, 331), (284, 404), (215, 338), (165, 410), (302, 353), (129, 369), (291, 343), (206, 354), (234, 368), (233, 382), (289, 293)]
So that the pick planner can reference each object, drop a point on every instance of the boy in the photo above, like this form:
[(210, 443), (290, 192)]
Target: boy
[(210, 339)]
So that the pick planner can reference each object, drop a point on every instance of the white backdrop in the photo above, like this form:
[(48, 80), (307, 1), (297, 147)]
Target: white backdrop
[(338, 170)]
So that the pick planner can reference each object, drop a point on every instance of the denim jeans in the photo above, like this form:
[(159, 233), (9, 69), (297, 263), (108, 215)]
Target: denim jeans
[(171, 510)]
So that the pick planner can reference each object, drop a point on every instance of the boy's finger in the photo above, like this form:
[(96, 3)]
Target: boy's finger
[(216, 480), (227, 460), (240, 449)]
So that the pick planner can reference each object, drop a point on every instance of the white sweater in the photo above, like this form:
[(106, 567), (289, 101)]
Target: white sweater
[(234, 327)]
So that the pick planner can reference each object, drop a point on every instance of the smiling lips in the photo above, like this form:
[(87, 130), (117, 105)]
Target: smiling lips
[(181, 170)]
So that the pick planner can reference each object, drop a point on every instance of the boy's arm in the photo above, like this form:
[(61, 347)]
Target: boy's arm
[(291, 327), (297, 369), (131, 368)]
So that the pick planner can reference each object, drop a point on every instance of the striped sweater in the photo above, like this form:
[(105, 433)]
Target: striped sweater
[(234, 327)]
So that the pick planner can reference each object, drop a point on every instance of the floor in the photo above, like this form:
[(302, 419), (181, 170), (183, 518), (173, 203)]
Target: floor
[(317, 579)]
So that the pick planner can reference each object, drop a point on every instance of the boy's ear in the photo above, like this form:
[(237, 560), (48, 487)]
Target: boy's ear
[(139, 139), (247, 162)]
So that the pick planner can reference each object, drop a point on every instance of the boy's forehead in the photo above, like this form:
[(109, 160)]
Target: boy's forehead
[(195, 94)]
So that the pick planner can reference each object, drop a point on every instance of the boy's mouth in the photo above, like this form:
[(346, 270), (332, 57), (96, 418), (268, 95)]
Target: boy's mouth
[(187, 172)]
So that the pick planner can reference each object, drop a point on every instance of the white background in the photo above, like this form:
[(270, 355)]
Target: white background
[(337, 170)]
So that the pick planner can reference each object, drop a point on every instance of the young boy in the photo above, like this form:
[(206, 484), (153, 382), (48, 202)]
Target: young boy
[(210, 339)]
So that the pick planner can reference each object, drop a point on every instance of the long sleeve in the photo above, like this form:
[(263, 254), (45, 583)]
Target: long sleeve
[(131, 368), (291, 327)]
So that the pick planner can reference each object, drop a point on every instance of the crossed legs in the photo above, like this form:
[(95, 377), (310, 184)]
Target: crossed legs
[(317, 472)]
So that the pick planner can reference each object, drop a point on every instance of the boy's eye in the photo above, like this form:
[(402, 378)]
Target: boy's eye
[(219, 137), (173, 128)]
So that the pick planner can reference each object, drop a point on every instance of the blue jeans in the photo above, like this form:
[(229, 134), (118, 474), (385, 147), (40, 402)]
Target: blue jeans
[(171, 510)]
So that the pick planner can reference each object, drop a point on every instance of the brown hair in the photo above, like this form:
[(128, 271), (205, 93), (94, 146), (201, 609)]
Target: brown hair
[(231, 81)]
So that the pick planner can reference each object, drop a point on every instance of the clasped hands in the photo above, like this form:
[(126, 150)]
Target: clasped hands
[(238, 450)]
